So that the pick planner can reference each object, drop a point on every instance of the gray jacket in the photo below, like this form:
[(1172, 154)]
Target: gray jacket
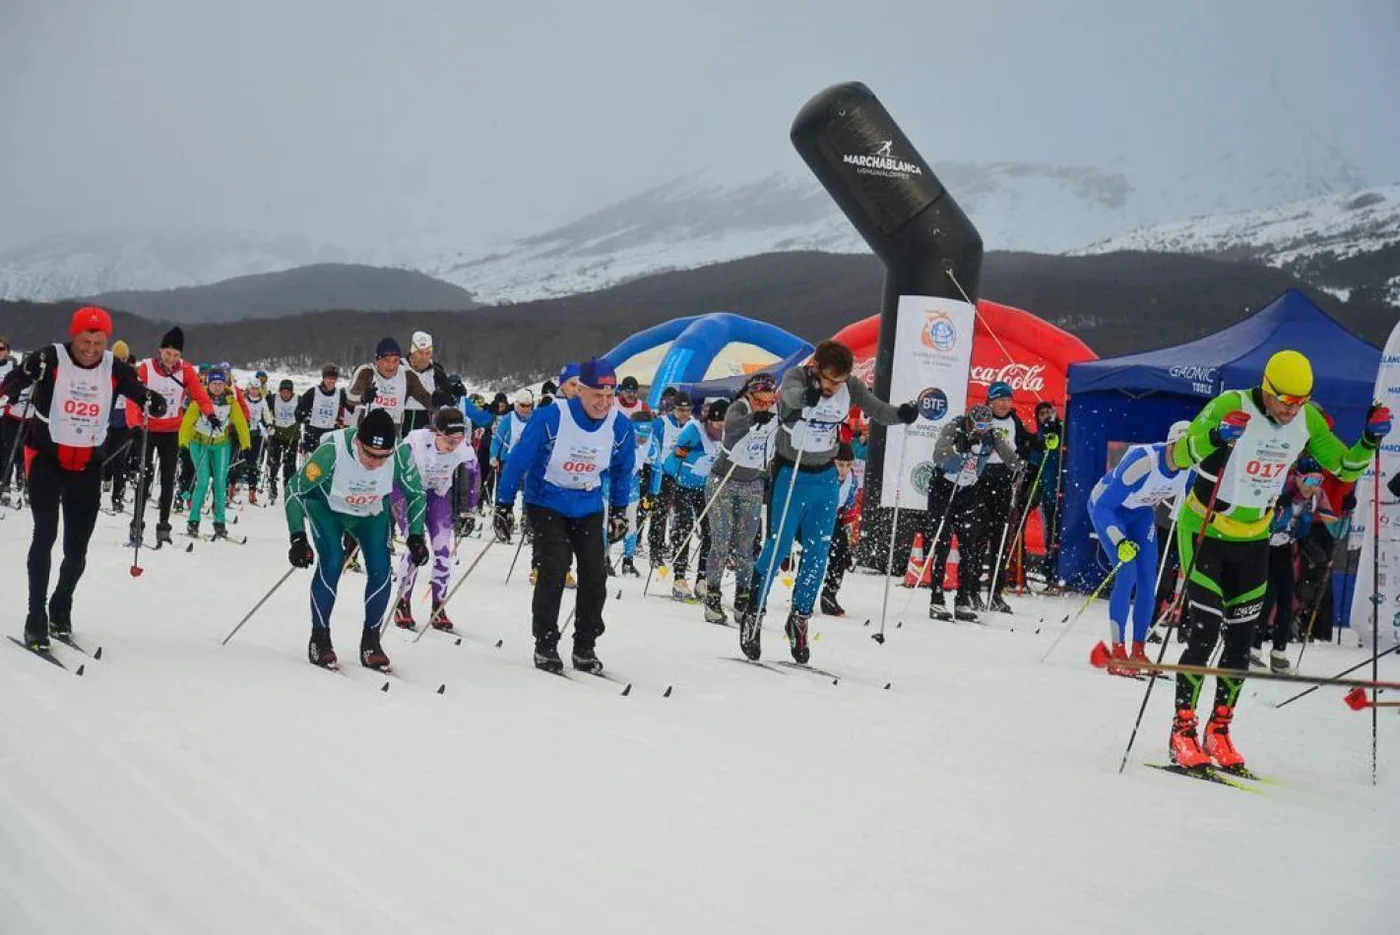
[(946, 455), (790, 407), (737, 426)]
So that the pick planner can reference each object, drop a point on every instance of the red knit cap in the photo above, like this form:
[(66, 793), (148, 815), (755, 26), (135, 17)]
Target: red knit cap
[(90, 318)]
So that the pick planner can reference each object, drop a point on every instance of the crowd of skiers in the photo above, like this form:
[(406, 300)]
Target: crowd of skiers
[(696, 492)]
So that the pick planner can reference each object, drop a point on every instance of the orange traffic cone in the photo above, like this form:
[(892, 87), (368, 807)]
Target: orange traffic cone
[(950, 572), (915, 569)]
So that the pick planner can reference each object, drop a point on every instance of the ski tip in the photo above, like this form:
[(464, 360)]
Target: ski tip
[(442, 689), (82, 668), (384, 688), (887, 686), (836, 681), (190, 547), (97, 654), (627, 691), (667, 692), (1012, 630), (1037, 631), (499, 643), (619, 596), (866, 623), (458, 642)]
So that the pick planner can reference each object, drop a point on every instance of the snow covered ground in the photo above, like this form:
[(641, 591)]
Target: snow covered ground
[(182, 786)]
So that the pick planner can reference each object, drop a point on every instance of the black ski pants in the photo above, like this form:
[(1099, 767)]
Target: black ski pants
[(962, 506), (1278, 599), (78, 494), (558, 539), (1224, 593), (167, 445)]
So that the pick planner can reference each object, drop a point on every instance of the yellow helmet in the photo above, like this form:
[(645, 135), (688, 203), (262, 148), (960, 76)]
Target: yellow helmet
[(1288, 373), (120, 351)]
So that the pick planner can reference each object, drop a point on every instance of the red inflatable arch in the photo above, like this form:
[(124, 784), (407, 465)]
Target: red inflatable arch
[(1008, 344)]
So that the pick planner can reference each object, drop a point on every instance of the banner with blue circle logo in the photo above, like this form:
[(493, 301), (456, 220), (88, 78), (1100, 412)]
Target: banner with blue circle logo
[(932, 359)]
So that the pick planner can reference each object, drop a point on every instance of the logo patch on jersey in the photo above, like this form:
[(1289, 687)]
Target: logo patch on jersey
[(312, 471)]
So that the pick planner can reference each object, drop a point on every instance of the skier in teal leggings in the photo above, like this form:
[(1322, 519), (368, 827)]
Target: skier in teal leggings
[(207, 438)]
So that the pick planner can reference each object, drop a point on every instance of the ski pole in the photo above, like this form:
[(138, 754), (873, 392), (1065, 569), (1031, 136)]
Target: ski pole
[(705, 511), (467, 574), (138, 519), (1181, 594), (1092, 597), (1375, 601), (894, 533), (1101, 658), (1001, 548), (249, 615), (520, 545), (1317, 603), (1360, 665), (1017, 541), (928, 559), (19, 433)]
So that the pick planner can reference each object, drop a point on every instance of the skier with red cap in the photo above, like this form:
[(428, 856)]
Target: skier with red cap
[(73, 389)]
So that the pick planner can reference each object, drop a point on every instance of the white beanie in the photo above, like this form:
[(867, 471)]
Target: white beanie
[(524, 398), (1177, 431)]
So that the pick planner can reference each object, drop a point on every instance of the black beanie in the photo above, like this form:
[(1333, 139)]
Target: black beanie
[(377, 430), (174, 338), (844, 452)]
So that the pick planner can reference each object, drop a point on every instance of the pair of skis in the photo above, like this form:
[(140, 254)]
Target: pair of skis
[(48, 656)]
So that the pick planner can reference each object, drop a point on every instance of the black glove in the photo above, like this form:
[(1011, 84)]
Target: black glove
[(962, 442), (368, 399), (1349, 501), (300, 554), (504, 523), (762, 418), (35, 363), (1393, 486), (155, 404), (458, 388), (617, 526), (215, 423), (418, 549), (813, 393), (908, 413)]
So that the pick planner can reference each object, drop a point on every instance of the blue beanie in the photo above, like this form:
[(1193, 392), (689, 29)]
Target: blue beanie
[(597, 373), (999, 390), (216, 373), (568, 373), (387, 348)]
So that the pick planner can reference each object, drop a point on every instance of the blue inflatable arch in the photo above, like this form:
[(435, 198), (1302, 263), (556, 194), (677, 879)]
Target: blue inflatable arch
[(700, 348)]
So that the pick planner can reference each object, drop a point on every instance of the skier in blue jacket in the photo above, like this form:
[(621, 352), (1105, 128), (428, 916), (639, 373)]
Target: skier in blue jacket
[(814, 400), (689, 462), (572, 456), (1123, 506)]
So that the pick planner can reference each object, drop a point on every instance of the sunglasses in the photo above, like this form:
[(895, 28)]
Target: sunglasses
[(982, 426), (1288, 399), (1310, 480)]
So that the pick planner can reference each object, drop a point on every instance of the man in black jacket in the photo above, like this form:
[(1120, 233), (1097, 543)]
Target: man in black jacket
[(995, 492)]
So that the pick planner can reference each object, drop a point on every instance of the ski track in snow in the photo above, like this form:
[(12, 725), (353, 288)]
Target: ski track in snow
[(181, 786)]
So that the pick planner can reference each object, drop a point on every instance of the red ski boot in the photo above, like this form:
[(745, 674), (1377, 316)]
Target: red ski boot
[(1184, 748), (440, 620), (1218, 744), (1139, 654), (403, 614), (1119, 654)]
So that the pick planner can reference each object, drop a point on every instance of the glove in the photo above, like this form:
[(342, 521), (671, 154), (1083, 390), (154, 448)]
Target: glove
[(908, 413), (813, 393), (962, 442), (647, 503), (1377, 424), (35, 364), (1230, 428), (762, 418), (300, 554), (504, 523), (1052, 442), (458, 388), (1349, 501), (418, 549), (215, 422), (495, 462), (466, 524), (1127, 550), (617, 527), (155, 404), (368, 399)]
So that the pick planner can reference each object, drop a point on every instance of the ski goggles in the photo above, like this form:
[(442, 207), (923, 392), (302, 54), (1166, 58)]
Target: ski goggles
[(982, 426), (1310, 480), (1288, 399)]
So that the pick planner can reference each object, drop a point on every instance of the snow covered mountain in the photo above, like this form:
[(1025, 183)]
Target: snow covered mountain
[(1347, 244)]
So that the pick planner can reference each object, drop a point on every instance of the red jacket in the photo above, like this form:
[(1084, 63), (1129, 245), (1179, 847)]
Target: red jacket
[(178, 388)]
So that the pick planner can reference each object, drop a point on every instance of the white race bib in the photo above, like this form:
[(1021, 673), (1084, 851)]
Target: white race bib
[(80, 409), (355, 489)]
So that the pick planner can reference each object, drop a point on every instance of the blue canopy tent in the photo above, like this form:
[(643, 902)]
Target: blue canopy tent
[(685, 351), (728, 387), (1136, 398)]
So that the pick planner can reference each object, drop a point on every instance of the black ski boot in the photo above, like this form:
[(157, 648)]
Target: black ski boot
[(938, 606), (974, 600), (163, 535), (371, 653), (61, 615), (629, 569), (830, 607), (192, 529), (714, 608), (998, 604), (750, 632), (586, 660), (796, 630), (220, 531), (547, 656), (36, 632), (741, 600), (963, 610), (319, 651)]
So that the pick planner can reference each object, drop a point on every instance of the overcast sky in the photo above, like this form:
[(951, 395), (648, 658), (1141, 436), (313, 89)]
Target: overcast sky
[(345, 118)]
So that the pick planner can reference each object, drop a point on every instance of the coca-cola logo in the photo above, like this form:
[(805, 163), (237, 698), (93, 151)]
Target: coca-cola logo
[(1027, 378)]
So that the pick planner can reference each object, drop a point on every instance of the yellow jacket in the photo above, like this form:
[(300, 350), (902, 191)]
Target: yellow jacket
[(189, 426)]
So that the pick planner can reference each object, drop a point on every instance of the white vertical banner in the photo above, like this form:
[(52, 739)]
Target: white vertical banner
[(932, 358), (1387, 535)]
